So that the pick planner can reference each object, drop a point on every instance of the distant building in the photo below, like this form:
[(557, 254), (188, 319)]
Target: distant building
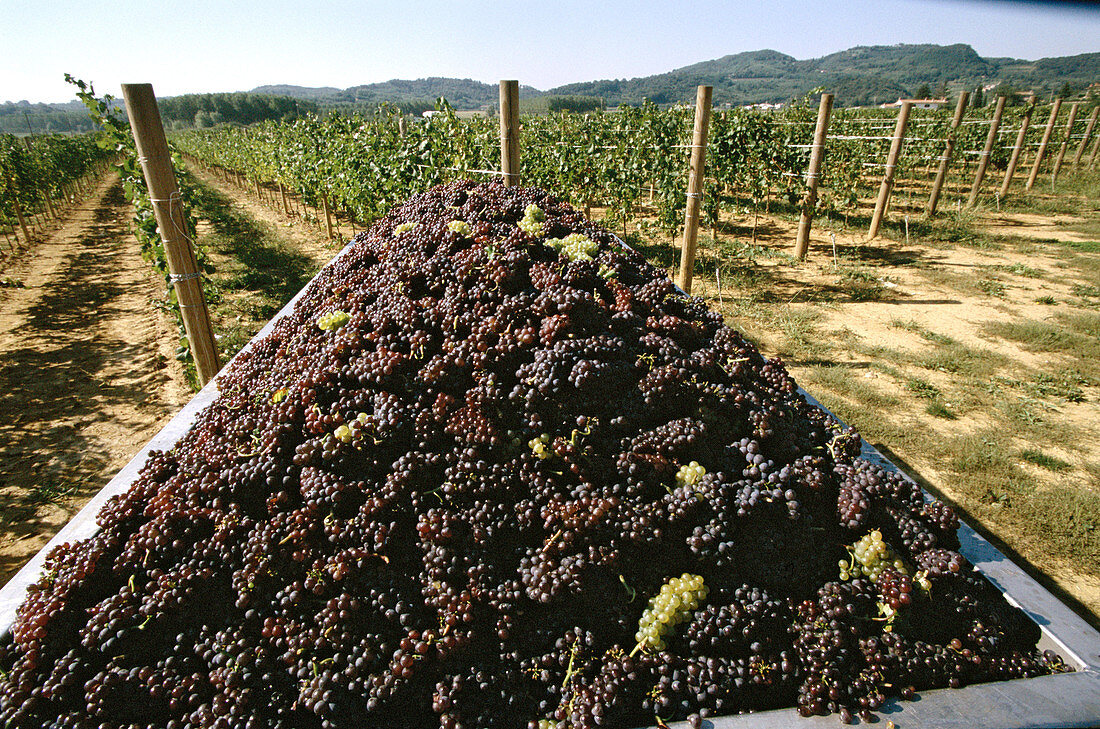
[(917, 103), (765, 106)]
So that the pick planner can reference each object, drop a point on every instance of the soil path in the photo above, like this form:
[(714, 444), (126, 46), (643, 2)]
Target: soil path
[(87, 373), (292, 230)]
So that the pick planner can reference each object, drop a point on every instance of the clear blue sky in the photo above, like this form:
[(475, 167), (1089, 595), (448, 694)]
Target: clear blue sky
[(207, 45)]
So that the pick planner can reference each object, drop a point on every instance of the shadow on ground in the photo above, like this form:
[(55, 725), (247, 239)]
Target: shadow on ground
[(53, 387)]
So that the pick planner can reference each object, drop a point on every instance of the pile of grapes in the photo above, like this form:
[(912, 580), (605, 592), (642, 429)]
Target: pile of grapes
[(496, 471)]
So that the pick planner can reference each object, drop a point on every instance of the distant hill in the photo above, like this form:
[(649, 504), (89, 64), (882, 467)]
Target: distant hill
[(415, 96), (176, 112), (858, 76), (21, 117)]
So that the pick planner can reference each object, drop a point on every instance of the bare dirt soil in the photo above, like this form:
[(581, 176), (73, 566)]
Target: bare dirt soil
[(87, 372)]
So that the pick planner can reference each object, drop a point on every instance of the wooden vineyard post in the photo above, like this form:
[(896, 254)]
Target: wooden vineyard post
[(18, 210), (49, 204), (6, 226), (282, 194), (1095, 149), (401, 126), (891, 169), (949, 148), (328, 215), (695, 185), (813, 176), (1043, 144), (1025, 121), (1065, 142), (983, 162), (509, 132), (152, 149), (1085, 139)]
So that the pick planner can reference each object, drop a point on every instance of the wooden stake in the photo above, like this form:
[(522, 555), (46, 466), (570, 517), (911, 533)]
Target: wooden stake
[(509, 132), (891, 168), (7, 237), (695, 185), (328, 215), (282, 194), (1043, 144), (49, 205), (1095, 149), (401, 125), (18, 210), (813, 175), (1015, 159), (983, 161), (1088, 134), (152, 149), (1065, 142), (945, 159)]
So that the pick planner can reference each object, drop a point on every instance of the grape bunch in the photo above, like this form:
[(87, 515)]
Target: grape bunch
[(678, 599), (447, 490), (871, 556)]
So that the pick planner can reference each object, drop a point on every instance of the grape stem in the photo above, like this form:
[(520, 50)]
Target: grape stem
[(633, 593), (551, 540)]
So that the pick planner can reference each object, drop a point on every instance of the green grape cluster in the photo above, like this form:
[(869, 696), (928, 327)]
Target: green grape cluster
[(461, 227), (349, 432), (690, 474), (538, 446), (333, 320), (677, 600), (532, 223), (869, 556), (400, 230), (575, 246)]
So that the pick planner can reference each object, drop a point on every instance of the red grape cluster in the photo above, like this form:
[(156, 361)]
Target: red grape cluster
[(444, 489)]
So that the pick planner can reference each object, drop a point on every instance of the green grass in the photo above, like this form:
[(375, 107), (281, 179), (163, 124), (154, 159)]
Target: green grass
[(1093, 470), (1019, 269), (1068, 517), (1086, 291), (1065, 385), (922, 388), (1048, 300), (939, 410), (862, 285), (992, 286), (987, 472), (1086, 323), (260, 271), (958, 359), (1078, 336), (850, 383), (1050, 463), (925, 334)]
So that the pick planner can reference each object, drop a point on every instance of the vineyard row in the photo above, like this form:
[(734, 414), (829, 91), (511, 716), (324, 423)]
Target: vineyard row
[(631, 162), (42, 175)]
